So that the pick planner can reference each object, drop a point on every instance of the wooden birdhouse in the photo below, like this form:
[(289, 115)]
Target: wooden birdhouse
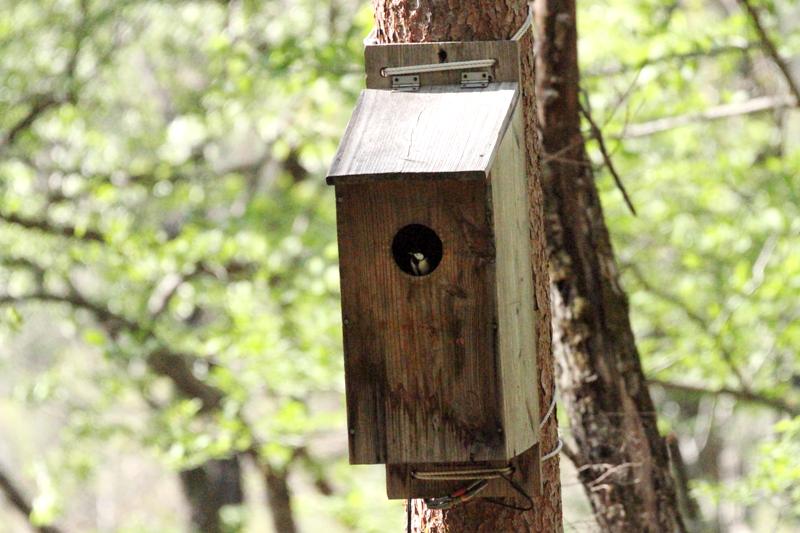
[(436, 275)]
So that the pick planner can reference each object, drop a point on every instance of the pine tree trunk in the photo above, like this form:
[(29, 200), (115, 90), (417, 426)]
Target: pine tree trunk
[(463, 20), (621, 457)]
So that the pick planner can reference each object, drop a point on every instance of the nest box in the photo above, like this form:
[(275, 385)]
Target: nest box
[(435, 259)]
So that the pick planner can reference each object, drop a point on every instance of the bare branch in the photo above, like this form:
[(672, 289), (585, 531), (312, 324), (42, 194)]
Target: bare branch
[(53, 229), (15, 496), (39, 105), (164, 291), (598, 136), (772, 50), (756, 105), (177, 368), (701, 322), (681, 474), (743, 395), (680, 56)]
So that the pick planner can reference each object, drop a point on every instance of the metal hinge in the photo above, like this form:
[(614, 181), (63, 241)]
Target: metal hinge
[(477, 79), (407, 82)]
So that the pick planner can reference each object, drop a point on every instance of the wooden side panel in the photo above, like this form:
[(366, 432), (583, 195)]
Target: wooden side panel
[(436, 130), (379, 56), (515, 299), (400, 484), (420, 363)]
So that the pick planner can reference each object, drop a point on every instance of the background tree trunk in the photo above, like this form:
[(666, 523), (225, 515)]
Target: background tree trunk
[(621, 458), (279, 496), (463, 20), (208, 488)]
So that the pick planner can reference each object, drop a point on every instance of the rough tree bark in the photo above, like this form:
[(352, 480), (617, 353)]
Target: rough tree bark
[(463, 20), (621, 458)]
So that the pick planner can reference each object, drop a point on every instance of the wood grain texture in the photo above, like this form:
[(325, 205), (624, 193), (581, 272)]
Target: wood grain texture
[(378, 57), (420, 365), (515, 298), (434, 130), (400, 483)]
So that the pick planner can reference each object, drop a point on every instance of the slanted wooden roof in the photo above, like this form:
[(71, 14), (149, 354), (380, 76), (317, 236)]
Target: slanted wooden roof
[(440, 131)]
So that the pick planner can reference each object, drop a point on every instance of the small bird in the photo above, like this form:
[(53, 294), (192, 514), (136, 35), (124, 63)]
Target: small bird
[(419, 263)]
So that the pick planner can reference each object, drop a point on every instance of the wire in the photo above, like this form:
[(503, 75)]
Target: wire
[(518, 488), (460, 496), (549, 411), (372, 36), (482, 475), (437, 67), (457, 475), (555, 451), (525, 25)]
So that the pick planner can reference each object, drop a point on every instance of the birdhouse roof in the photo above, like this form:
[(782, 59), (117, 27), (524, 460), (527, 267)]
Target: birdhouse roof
[(435, 132)]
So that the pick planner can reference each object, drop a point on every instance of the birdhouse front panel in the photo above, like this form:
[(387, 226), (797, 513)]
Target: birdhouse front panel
[(419, 334)]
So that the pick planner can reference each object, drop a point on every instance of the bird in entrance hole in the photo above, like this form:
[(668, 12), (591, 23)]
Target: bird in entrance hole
[(419, 263)]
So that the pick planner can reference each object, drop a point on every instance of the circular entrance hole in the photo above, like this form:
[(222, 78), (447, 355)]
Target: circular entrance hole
[(417, 250)]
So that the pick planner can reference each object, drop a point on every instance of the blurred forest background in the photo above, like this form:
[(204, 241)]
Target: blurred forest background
[(169, 315)]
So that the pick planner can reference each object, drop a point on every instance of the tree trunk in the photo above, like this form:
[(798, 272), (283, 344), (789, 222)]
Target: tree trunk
[(279, 496), (621, 457), (208, 488), (401, 21)]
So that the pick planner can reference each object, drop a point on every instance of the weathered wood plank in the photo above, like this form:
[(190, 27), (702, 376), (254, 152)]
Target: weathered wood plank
[(515, 298), (422, 383), (379, 56), (434, 130)]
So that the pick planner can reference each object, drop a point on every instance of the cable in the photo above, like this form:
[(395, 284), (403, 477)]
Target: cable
[(482, 475), (554, 452), (549, 411), (459, 475), (437, 67)]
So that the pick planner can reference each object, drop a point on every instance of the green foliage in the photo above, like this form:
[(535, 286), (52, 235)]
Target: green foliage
[(168, 266), (711, 262), (162, 191)]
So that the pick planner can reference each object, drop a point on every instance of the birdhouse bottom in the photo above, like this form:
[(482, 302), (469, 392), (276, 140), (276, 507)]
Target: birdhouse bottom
[(402, 481)]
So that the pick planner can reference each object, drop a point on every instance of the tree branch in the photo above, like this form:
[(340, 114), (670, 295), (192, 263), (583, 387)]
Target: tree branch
[(679, 56), (743, 395), (756, 105), (690, 508), (772, 50), (177, 368), (598, 136), (40, 104), (700, 321), (53, 229), (15, 496), (163, 361), (102, 314)]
